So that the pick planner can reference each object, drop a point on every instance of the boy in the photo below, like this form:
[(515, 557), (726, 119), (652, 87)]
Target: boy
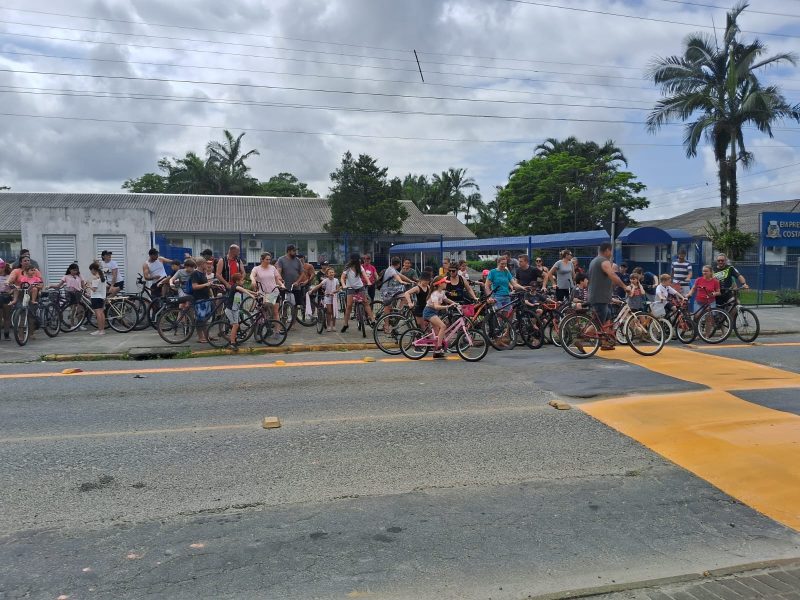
[(234, 296), (580, 293), (662, 305)]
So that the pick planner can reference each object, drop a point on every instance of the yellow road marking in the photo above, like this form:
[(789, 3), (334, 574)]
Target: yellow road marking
[(234, 367), (717, 372), (753, 345), (748, 451)]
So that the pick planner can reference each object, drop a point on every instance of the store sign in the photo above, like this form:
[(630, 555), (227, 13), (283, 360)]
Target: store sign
[(780, 229)]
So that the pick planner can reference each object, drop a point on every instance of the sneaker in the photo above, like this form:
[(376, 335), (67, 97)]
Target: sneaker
[(344, 329), (438, 354), (98, 333), (607, 347), (82, 328)]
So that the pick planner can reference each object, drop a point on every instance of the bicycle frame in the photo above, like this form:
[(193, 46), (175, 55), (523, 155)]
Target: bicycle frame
[(450, 334)]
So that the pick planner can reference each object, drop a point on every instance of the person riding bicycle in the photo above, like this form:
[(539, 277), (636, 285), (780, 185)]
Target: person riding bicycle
[(393, 282), (579, 296), (458, 289), (664, 294), (154, 273), (728, 276), (422, 290), (266, 278), (354, 280), (437, 302), (111, 271), (234, 296), (602, 280), (33, 278)]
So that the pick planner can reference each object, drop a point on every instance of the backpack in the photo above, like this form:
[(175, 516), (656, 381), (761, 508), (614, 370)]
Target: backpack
[(187, 287)]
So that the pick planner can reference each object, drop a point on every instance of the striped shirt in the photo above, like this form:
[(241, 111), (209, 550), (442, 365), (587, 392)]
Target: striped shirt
[(680, 272)]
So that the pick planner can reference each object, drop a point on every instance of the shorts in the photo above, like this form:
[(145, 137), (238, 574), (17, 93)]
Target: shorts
[(354, 291), (233, 315), (328, 301), (120, 285), (155, 291), (98, 303), (562, 294), (601, 308), (429, 313), (724, 296)]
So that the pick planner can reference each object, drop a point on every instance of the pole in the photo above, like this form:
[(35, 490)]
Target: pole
[(613, 224), (441, 250), (762, 255), (530, 248)]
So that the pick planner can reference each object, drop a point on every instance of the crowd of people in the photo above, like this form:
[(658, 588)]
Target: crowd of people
[(198, 279)]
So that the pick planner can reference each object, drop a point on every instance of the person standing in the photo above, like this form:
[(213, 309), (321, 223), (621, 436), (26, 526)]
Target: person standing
[(706, 288), (408, 270), (111, 271), (97, 284), (289, 268), (564, 272), (682, 272), (200, 288), (626, 279), (528, 276), (602, 280), (5, 298), (154, 273), (266, 279), (372, 275), (229, 265)]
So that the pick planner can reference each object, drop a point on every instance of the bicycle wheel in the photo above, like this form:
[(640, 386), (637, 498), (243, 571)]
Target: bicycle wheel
[(746, 325), (669, 330), (121, 315), (388, 330), (175, 325), (530, 330), (407, 346), (472, 345), (619, 332), (287, 314), (21, 324), (554, 333), (72, 317), (645, 334), (579, 336), (141, 305), (273, 333), (685, 329), (51, 320), (361, 319), (248, 304), (320, 319), (714, 326), (499, 331), (304, 319), (219, 333)]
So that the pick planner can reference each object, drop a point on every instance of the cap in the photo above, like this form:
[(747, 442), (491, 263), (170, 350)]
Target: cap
[(485, 272), (441, 281), (324, 263), (106, 253)]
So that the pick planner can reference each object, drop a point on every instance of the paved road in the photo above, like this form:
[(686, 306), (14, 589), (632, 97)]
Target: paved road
[(387, 480)]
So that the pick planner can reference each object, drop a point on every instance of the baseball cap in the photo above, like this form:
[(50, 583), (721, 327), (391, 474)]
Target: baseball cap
[(441, 281), (485, 272)]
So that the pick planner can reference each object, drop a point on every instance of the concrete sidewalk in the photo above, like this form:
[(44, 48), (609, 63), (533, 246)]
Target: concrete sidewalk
[(777, 320)]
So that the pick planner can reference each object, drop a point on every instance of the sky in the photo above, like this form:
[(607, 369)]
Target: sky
[(308, 80)]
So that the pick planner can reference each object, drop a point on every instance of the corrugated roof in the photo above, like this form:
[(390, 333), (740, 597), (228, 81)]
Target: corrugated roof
[(449, 226), (694, 222), (218, 214)]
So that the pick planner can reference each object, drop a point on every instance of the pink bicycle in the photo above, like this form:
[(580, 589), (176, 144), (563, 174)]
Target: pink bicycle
[(470, 343)]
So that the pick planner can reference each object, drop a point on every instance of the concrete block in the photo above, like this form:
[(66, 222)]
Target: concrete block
[(270, 422)]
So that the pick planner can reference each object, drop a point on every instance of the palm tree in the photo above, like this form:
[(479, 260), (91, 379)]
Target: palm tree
[(228, 156), (449, 190), (472, 202), (717, 86)]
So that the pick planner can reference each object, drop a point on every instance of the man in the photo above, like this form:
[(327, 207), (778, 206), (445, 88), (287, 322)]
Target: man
[(25, 253), (154, 273), (728, 276), (290, 267), (602, 279), (229, 265), (626, 279), (372, 275), (111, 271), (528, 276), (682, 272)]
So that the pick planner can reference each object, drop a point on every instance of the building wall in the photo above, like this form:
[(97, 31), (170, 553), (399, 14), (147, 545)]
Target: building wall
[(85, 224)]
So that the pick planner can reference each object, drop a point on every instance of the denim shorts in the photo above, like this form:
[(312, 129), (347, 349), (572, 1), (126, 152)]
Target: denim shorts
[(429, 313)]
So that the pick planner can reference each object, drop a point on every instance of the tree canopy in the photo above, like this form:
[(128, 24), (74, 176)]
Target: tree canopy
[(363, 201), (285, 185), (443, 193)]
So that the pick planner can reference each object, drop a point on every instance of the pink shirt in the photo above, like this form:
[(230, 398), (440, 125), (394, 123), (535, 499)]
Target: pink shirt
[(372, 273), (73, 282), (265, 277)]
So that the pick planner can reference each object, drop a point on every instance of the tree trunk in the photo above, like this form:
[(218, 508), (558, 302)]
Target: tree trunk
[(733, 189), (723, 191)]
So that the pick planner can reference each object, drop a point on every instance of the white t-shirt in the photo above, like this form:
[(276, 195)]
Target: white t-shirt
[(108, 270), (437, 297), (265, 277), (156, 270), (352, 280), (98, 287), (330, 285)]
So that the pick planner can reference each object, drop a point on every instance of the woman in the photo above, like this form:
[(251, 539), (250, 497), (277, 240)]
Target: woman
[(422, 291), (267, 280), (354, 280), (98, 297), (393, 282), (408, 270), (458, 289), (5, 298), (564, 271)]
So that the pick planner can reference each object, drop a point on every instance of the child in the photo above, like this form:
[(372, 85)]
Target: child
[(33, 278), (73, 284), (664, 291), (330, 286), (437, 301), (422, 291), (634, 293), (234, 296), (97, 284), (462, 270), (580, 293)]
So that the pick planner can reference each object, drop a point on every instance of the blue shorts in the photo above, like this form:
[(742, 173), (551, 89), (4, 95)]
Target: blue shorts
[(429, 313)]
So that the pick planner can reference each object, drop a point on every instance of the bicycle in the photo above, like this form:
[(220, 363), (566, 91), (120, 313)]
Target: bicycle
[(745, 322), (680, 322), (713, 324), (255, 323), (24, 317), (471, 344), (177, 323), (121, 314), (359, 312), (391, 325), (582, 333)]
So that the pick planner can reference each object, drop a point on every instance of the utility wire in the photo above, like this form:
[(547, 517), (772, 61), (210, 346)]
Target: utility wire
[(725, 8), (755, 189)]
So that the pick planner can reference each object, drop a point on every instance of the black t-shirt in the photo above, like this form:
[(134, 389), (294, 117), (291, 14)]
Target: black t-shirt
[(457, 292), (202, 293), (726, 276), (529, 276)]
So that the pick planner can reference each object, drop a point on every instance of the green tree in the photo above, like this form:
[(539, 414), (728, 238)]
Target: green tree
[(417, 189), (285, 185), (228, 156), (557, 192), (490, 221), (447, 193), (716, 85), (149, 183), (363, 202)]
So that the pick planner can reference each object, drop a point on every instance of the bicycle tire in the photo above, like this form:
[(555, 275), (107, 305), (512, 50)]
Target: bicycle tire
[(646, 335), (576, 339), (219, 333), (21, 324), (361, 319), (718, 330), (121, 315), (51, 320), (494, 326), (304, 319), (287, 314), (685, 329), (531, 331), (141, 305), (321, 320), (248, 323), (478, 342), (407, 347), (273, 333), (389, 341), (746, 325), (175, 325), (555, 330), (72, 317), (619, 332), (669, 329)]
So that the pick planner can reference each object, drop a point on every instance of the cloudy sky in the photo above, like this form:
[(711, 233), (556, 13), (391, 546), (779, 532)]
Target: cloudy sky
[(310, 79)]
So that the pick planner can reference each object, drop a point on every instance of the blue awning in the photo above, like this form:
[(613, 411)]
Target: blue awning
[(652, 236), (574, 239)]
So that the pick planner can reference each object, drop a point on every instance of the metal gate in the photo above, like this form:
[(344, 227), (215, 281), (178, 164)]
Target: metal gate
[(116, 244), (59, 252)]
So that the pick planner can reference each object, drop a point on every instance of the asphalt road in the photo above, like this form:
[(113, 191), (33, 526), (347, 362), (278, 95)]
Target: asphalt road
[(387, 480)]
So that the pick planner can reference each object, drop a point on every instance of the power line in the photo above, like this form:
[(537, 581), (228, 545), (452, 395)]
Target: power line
[(639, 18), (315, 75), (320, 133), (756, 189), (725, 8)]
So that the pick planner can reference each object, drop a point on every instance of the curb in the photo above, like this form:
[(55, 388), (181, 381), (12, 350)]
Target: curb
[(289, 349), (662, 581)]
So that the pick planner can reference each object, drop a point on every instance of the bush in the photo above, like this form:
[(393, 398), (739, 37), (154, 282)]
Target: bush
[(788, 297), (480, 265)]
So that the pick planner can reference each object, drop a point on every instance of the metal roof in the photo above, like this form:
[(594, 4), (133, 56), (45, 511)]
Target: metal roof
[(553, 240), (179, 213)]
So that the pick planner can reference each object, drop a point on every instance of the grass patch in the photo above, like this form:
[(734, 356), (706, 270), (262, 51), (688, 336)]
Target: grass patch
[(751, 297)]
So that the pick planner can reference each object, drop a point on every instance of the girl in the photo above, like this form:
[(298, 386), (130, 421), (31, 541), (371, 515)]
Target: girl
[(422, 290), (97, 284), (437, 301), (330, 289), (5, 298), (707, 288), (354, 281), (72, 282), (234, 296), (635, 293), (462, 270), (564, 272)]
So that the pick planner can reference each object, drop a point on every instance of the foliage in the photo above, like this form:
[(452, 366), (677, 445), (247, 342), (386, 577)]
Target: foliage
[(569, 187), (732, 242), (4, 187), (716, 85), (490, 221), (443, 193), (363, 202), (480, 265), (788, 297), (285, 185)]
